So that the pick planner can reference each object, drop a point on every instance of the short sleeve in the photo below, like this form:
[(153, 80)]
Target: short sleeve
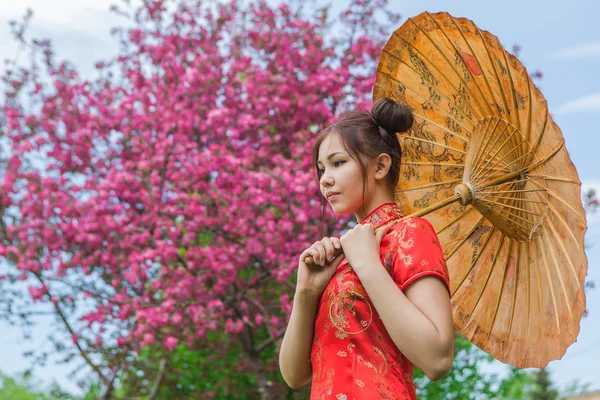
[(417, 253)]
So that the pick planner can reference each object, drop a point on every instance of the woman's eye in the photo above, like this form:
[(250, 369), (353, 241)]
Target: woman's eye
[(335, 164)]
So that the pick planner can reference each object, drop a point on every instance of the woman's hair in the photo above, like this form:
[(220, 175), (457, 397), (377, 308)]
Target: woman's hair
[(366, 135)]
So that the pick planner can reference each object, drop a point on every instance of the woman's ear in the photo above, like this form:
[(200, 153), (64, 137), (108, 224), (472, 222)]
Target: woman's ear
[(383, 163)]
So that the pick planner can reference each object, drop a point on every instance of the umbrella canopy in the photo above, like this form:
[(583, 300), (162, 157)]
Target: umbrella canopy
[(488, 167)]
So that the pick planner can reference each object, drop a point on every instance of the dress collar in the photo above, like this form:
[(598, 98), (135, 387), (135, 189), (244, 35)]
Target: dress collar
[(382, 215)]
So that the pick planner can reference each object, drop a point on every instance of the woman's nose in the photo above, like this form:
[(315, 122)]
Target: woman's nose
[(326, 180)]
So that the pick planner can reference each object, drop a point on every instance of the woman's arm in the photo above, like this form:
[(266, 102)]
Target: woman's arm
[(419, 322), (294, 355)]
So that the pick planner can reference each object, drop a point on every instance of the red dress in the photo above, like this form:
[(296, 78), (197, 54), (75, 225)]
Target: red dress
[(353, 356)]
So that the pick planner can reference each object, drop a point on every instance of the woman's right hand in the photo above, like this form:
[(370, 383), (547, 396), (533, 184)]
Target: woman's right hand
[(313, 280)]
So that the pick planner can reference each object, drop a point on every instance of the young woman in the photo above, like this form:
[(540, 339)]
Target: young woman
[(361, 321)]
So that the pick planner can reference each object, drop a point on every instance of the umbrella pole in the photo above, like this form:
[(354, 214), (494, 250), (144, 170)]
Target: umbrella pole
[(464, 194), (434, 207)]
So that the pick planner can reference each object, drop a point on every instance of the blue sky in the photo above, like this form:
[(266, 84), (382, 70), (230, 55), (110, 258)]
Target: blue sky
[(559, 38)]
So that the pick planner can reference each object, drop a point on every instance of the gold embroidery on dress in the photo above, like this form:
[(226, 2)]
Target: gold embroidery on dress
[(345, 301), (342, 304), (379, 369)]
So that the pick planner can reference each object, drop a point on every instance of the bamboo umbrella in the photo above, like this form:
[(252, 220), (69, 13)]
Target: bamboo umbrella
[(485, 163), (487, 166)]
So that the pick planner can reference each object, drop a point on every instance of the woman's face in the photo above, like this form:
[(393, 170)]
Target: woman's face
[(341, 180)]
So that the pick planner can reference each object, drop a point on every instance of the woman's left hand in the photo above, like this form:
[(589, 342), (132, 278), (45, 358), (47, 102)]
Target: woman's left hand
[(361, 245)]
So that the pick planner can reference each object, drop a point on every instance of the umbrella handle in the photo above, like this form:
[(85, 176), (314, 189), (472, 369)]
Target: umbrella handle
[(308, 260)]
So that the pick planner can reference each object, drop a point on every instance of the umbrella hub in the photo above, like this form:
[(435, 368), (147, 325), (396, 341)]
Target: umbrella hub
[(496, 182), (465, 191)]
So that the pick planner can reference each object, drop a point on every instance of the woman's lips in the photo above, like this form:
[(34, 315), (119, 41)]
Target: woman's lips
[(333, 197)]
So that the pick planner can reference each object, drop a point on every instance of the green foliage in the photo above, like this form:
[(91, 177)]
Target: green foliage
[(25, 388), (466, 382), (543, 386), (204, 372)]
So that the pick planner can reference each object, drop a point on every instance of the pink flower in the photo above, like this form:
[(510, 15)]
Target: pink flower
[(171, 343)]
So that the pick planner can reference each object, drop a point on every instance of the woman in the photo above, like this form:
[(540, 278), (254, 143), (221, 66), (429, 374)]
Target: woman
[(361, 321)]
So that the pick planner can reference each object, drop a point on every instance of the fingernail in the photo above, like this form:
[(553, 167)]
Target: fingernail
[(336, 245)]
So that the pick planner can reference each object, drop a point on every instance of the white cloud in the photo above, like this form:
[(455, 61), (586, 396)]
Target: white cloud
[(582, 51), (78, 29), (586, 103)]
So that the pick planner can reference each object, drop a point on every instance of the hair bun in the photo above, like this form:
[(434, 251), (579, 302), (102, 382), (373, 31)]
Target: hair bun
[(392, 116)]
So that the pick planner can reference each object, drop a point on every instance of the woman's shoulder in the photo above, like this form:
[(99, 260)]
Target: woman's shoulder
[(411, 224)]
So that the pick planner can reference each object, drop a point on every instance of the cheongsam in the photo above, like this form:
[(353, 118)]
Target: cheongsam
[(352, 355)]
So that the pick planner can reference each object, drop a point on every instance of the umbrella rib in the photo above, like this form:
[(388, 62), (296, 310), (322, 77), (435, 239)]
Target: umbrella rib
[(484, 153), (551, 288), (515, 291), (510, 247), (554, 178), (551, 225), (476, 101), (519, 199), (548, 158), (511, 207), (513, 191), (512, 89), (568, 256), (538, 140), (560, 277), (473, 262), (529, 279), (556, 236), (432, 103), (507, 213), (433, 143), (463, 239), (428, 163), (439, 126), (431, 185), (496, 75), (498, 150), (455, 220), (564, 222), (500, 244), (527, 179), (447, 165), (490, 110), (506, 167), (561, 200), (513, 161), (529, 110)]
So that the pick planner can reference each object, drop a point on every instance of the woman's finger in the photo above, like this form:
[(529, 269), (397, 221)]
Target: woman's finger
[(337, 244), (381, 233), (321, 253), (329, 249)]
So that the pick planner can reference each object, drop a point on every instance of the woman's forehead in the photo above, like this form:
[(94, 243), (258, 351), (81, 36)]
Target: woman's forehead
[(331, 144)]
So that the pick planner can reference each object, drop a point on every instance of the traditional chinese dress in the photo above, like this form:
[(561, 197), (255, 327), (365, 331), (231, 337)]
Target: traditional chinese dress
[(353, 356)]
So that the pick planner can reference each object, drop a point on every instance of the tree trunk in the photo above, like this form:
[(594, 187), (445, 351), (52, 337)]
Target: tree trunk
[(263, 385)]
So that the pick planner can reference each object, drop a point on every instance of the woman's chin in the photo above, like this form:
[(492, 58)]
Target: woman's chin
[(340, 209)]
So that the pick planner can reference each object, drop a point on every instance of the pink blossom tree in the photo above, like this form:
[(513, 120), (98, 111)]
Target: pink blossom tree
[(170, 196)]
